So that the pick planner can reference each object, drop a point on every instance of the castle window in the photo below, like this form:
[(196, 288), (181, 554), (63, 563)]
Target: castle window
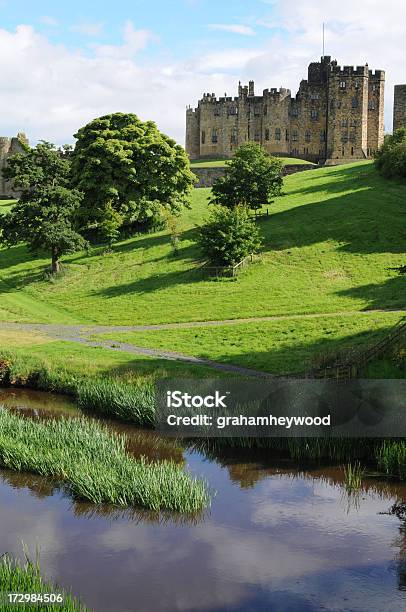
[(352, 150), (354, 103), (234, 135), (294, 112), (256, 111), (338, 104), (203, 137), (277, 134), (322, 135), (257, 136), (214, 136), (352, 137), (287, 135), (314, 114), (356, 84), (267, 134), (371, 105), (343, 84), (344, 123), (314, 96), (216, 111), (232, 110), (308, 136), (265, 109), (344, 138), (294, 135), (353, 123), (374, 87)]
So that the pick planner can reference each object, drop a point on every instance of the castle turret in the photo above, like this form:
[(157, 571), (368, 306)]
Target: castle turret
[(399, 107)]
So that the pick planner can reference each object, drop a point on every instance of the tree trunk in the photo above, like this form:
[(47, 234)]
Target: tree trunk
[(55, 261)]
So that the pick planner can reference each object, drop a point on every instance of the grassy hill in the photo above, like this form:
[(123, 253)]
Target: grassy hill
[(220, 163), (331, 246)]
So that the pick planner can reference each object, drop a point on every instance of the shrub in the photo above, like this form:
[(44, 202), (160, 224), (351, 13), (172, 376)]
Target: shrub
[(229, 236), (390, 159)]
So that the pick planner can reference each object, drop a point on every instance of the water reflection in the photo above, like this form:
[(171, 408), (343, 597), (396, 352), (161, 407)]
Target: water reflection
[(277, 538)]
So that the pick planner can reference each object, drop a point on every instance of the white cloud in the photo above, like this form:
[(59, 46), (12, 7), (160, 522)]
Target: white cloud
[(88, 28), (233, 28), (50, 90), (49, 21)]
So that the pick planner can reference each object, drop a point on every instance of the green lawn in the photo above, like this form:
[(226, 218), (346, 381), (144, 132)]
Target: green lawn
[(331, 244), (220, 163), (280, 347)]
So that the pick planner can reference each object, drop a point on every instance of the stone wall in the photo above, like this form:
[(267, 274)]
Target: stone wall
[(399, 108), (207, 176)]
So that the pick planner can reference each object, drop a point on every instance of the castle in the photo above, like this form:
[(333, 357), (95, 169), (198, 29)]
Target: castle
[(9, 147), (399, 107), (337, 116)]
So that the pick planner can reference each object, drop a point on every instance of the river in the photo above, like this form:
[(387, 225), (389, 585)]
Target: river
[(277, 538)]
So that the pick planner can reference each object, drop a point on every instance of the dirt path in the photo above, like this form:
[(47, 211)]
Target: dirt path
[(83, 334)]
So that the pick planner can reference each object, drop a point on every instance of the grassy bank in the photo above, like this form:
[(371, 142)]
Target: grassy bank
[(92, 464), (220, 163), (16, 577), (331, 244), (283, 346)]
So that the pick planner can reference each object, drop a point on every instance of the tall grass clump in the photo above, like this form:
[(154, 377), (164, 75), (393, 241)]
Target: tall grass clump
[(391, 458), (92, 464), (353, 473), (129, 402), (17, 577)]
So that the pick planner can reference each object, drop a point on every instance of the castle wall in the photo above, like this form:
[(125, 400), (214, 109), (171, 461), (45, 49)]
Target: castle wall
[(336, 115), (399, 108), (9, 147)]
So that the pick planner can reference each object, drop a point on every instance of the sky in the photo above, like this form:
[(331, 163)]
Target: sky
[(63, 64)]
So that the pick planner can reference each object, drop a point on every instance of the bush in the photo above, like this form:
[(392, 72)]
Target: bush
[(251, 178), (229, 236), (390, 159)]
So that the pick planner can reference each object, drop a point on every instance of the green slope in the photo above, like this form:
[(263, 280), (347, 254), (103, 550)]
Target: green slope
[(331, 245)]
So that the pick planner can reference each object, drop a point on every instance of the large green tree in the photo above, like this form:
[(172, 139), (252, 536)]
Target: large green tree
[(251, 178), (45, 215), (129, 173)]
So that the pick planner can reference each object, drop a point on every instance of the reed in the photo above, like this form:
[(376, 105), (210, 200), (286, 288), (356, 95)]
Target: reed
[(92, 464), (391, 458), (17, 577), (353, 474)]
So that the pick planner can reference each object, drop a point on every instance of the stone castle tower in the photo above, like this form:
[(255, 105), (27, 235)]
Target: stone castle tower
[(336, 116), (399, 107), (9, 147)]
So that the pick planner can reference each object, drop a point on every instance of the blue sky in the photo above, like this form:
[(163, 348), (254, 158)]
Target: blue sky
[(64, 63)]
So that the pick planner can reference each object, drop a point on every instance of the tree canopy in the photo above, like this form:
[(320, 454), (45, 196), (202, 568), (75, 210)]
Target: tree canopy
[(129, 172), (390, 159), (251, 178), (44, 216)]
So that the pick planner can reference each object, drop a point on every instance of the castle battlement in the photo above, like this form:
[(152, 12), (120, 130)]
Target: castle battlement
[(319, 123)]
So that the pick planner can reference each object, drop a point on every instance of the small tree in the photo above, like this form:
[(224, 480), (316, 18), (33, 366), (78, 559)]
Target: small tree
[(229, 236), (251, 178), (128, 165), (390, 159), (44, 216)]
